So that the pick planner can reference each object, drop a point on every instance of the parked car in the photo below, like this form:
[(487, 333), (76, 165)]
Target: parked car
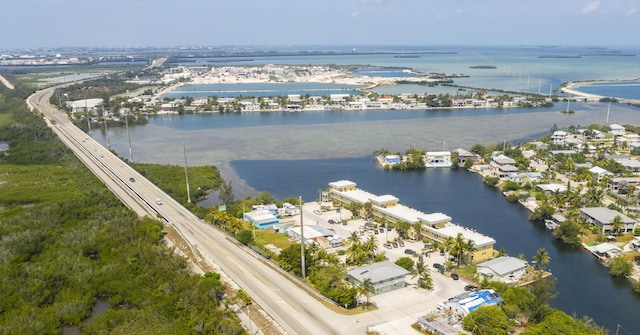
[(409, 251), (438, 266), (375, 231), (395, 244), (454, 276), (388, 246), (131, 179), (381, 230), (470, 288), (401, 243), (317, 212), (388, 228)]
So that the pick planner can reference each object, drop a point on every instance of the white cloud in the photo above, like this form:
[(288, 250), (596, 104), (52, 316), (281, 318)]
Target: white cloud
[(590, 7), (631, 12), (355, 14)]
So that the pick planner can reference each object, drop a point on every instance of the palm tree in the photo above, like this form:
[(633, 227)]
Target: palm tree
[(354, 238), (417, 228), (422, 272), (617, 224), (459, 246), (371, 246), (469, 248), (542, 257), (366, 288)]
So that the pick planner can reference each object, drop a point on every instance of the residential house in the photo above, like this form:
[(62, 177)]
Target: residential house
[(502, 165), (464, 155), (598, 173), (261, 219), (615, 183), (616, 129), (467, 302), (438, 159), (558, 137), (602, 218), (385, 276), (630, 164), (503, 269)]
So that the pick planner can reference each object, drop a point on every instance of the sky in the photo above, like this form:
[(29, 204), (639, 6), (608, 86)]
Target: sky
[(164, 23)]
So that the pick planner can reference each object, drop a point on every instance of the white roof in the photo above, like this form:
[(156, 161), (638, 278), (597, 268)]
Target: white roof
[(434, 218), (606, 247), (598, 170), (503, 265), (378, 272), (342, 183), (452, 230), (553, 187)]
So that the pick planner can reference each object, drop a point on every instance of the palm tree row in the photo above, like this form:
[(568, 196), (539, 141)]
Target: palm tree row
[(360, 252), (461, 248)]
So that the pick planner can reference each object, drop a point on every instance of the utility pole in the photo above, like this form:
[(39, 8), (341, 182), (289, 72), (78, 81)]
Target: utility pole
[(86, 112), (186, 175), (301, 238), (126, 120), (106, 132)]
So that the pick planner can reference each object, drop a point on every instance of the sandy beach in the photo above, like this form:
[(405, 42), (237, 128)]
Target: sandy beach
[(571, 88)]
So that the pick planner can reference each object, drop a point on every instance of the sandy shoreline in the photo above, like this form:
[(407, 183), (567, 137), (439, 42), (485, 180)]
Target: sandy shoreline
[(571, 88)]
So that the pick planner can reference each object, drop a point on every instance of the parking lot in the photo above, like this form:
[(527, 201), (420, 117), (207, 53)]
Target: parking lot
[(407, 304)]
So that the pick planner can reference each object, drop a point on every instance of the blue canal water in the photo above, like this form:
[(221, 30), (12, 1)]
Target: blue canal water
[(584, 286)]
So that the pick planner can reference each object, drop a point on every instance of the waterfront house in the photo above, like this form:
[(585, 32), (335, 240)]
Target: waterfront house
[(464, 155), (606, 250), (392, 159), (558, 137), (503, 269), (438, 159), (502, 165), (385, 276), (616, 129), (467, 302), (602, 218)]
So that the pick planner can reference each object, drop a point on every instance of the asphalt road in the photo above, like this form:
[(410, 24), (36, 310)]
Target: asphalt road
[(294, 309)]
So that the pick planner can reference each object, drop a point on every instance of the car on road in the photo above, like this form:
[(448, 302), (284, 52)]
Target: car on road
[(395, 244), (317, 212), (388, 246), (470, 288), (401, 243), (131, 179), (438, 266), (381, 230), (409, 251), (158, 201), (454, 276)]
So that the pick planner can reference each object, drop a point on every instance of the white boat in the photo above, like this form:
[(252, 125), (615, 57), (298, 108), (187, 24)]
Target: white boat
[(551, 225)]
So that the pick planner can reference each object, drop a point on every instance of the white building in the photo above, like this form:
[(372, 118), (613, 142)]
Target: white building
[(503, 269)]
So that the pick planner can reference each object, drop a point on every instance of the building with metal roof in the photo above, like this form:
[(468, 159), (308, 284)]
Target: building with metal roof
[(503, 269), (385, 276), (602, 218)]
